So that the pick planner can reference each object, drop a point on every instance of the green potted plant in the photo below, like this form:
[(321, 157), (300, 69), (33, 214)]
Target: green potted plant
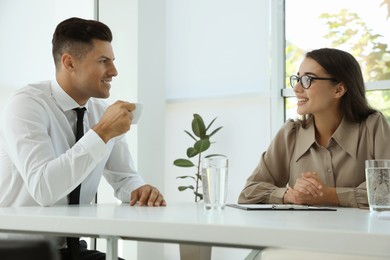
[(200, 134)]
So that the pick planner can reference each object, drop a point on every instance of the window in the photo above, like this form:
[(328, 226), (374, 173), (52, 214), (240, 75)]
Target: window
[(359, 27)]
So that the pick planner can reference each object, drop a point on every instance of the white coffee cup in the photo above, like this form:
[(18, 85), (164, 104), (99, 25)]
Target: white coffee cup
[(137, 113)]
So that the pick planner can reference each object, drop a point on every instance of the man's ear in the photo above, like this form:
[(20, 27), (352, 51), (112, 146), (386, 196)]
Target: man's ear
[(67, 62), (340, 90)]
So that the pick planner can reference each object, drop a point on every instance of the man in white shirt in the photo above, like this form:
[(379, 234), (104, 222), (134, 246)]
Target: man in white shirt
[(40, 161)]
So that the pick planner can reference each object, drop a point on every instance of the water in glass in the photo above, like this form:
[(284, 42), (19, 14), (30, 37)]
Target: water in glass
[(378, 184), (214, 182)]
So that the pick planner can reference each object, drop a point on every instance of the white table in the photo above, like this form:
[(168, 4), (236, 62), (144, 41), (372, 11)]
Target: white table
[(346, 230)]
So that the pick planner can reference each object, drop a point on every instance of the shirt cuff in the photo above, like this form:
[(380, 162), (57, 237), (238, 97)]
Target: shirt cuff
[(347, 197), (93, 144), (277, 195)]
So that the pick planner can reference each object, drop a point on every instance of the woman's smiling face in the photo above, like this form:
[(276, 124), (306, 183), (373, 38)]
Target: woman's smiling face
[(320, 96)]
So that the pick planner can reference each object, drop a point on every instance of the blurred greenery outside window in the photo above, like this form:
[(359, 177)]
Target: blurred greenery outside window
[(359, 27)]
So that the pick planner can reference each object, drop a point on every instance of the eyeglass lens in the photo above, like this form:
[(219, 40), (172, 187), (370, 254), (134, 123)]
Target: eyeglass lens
[(305, 81)]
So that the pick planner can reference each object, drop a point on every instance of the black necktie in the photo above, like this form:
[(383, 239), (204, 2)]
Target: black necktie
[(74, 196)]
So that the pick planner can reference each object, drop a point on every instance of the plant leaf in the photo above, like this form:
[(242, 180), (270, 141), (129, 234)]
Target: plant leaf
[(181, 188), (216, 130), (183, 163), (200, 195), (191, 152), (199, 131), (186, 176), (202, 145), (198, 126), (190, 135), (210, 124)]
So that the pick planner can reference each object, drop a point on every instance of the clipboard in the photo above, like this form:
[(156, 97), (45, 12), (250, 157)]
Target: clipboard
[(279, 207)]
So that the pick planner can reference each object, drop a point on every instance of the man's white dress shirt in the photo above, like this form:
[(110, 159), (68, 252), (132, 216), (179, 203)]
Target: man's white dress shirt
[(40, 164)]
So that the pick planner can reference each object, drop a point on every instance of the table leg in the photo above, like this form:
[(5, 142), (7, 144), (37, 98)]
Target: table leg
[(253, 255), (112, 248), (195, 252)]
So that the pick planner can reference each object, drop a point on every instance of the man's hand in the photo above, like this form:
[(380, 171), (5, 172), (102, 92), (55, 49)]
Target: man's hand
[(147, 195), (115, 121)]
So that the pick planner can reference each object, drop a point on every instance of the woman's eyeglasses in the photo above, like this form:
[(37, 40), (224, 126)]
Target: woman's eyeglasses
[(306, 80)]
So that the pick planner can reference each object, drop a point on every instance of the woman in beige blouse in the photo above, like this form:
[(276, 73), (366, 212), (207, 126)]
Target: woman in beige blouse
[(319, 160)]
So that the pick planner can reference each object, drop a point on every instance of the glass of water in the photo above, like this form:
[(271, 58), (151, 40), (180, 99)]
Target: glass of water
[(214, 182), (378, 184)]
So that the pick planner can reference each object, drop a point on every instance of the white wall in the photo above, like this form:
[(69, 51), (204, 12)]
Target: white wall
[(26, 30), (216, 47)]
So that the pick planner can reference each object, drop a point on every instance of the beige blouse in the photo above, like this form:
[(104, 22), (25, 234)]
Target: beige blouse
[(294, 150)]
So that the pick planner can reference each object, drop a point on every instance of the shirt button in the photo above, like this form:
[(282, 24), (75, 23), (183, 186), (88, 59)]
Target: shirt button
[(78, 149), (329, 170)]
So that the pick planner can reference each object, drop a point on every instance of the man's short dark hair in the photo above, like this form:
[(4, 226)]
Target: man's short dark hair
[(75, 36)]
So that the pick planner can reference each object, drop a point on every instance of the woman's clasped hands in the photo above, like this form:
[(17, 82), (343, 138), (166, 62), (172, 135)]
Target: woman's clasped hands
[(308, 190)]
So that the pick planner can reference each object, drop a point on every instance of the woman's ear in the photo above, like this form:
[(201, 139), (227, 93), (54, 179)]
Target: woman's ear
[(340, 90)]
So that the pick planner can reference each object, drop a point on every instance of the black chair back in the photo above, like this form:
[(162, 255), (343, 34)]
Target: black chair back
[(15, 249)]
